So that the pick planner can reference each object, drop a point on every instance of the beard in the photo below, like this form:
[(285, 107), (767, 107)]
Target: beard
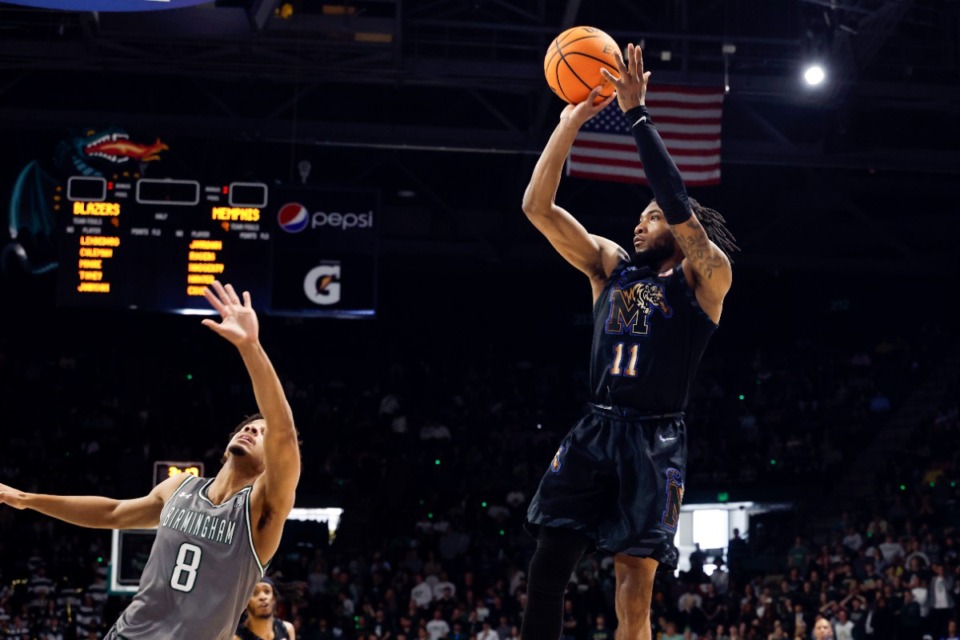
[(237, 450), (655, 254)]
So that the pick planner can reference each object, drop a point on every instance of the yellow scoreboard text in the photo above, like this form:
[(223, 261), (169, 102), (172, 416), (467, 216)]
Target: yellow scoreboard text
[(176, 471), (234, 214), (99, 241), (96, 209)]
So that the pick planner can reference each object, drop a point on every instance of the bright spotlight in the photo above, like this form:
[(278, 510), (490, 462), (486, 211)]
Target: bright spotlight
[(814, 75)]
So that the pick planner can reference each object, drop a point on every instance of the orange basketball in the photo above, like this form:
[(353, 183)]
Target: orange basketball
[(573, 62)]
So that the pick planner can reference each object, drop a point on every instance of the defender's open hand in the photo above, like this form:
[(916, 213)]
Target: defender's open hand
[(238, 322)]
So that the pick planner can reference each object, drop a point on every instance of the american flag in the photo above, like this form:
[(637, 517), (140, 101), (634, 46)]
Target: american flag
[(688, 120)]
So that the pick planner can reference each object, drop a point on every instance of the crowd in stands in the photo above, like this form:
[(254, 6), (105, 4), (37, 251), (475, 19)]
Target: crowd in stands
[(434, 460)]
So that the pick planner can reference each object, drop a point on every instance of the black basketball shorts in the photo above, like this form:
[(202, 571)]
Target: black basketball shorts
[(617, 477)]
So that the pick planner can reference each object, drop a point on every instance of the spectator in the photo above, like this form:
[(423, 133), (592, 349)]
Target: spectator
[(437, 628), (671, 632), (822, 629), (736, 555), (852, 539), (720, 578), (421, 594), (940, 600), (570, 629), (842, 625), (891, 550), (487, 632), (778, 632), (951, 633), (17, 629), (911, 618), (599, 630), (504, 628), (88, 618), (799, 555), (51, 629)]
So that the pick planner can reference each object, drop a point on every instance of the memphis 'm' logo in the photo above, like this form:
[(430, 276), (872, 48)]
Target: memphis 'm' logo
[(630, 308), (321, 285), (671, 512), (293, 217)]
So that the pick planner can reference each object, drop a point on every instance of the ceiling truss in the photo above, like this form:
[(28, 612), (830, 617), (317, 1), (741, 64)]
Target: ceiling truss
[(446, 76)]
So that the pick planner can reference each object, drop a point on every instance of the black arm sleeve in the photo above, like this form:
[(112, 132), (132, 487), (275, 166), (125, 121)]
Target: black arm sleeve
[(662, 173)]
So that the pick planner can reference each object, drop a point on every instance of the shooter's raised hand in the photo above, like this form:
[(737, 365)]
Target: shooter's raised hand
[(631, 86)]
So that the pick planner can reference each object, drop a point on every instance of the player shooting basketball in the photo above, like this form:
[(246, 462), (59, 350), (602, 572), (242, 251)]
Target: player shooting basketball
[(214, 535), (616, 481)]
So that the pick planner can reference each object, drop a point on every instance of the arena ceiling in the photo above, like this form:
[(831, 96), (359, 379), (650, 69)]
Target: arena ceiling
[(443, 105)]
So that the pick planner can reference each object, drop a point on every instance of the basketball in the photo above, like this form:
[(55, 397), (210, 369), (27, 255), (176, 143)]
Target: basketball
[(573, 62)]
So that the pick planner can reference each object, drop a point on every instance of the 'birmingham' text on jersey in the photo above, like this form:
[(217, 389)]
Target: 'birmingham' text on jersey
[(204, 526)]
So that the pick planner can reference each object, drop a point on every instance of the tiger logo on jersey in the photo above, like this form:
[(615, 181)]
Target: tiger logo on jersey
[(631, 306)]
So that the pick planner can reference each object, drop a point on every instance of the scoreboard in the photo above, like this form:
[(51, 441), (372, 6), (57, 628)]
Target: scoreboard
[(163, 469), (155, 244)]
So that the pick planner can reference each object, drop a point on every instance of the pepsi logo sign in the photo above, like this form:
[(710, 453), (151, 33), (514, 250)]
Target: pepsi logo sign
[(293, 217)]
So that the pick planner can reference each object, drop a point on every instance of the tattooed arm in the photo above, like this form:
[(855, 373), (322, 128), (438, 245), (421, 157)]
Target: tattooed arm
[(706, 267)]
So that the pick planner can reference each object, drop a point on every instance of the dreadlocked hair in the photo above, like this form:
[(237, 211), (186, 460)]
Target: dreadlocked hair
[(715, 227)]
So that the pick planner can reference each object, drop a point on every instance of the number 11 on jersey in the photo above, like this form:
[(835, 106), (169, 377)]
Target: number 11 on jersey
[(631, 368)]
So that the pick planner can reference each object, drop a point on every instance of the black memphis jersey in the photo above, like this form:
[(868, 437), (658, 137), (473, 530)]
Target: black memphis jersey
[(649, 334)]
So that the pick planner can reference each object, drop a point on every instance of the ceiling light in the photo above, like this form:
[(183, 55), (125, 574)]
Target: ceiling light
[(814, 75)]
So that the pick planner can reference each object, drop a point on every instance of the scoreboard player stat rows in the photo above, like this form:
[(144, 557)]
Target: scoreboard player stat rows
[(157, 243)]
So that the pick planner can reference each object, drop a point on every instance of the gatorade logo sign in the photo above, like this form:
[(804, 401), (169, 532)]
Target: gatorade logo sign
[(322, 284), (294, 218)]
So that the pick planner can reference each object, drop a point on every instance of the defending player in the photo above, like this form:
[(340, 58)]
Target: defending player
[(616, 481), (214, 535)]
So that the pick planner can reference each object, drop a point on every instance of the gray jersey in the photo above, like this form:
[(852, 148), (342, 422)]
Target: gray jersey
[(201, 571)]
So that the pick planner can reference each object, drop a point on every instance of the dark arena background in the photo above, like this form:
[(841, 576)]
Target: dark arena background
[(432, 384)]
